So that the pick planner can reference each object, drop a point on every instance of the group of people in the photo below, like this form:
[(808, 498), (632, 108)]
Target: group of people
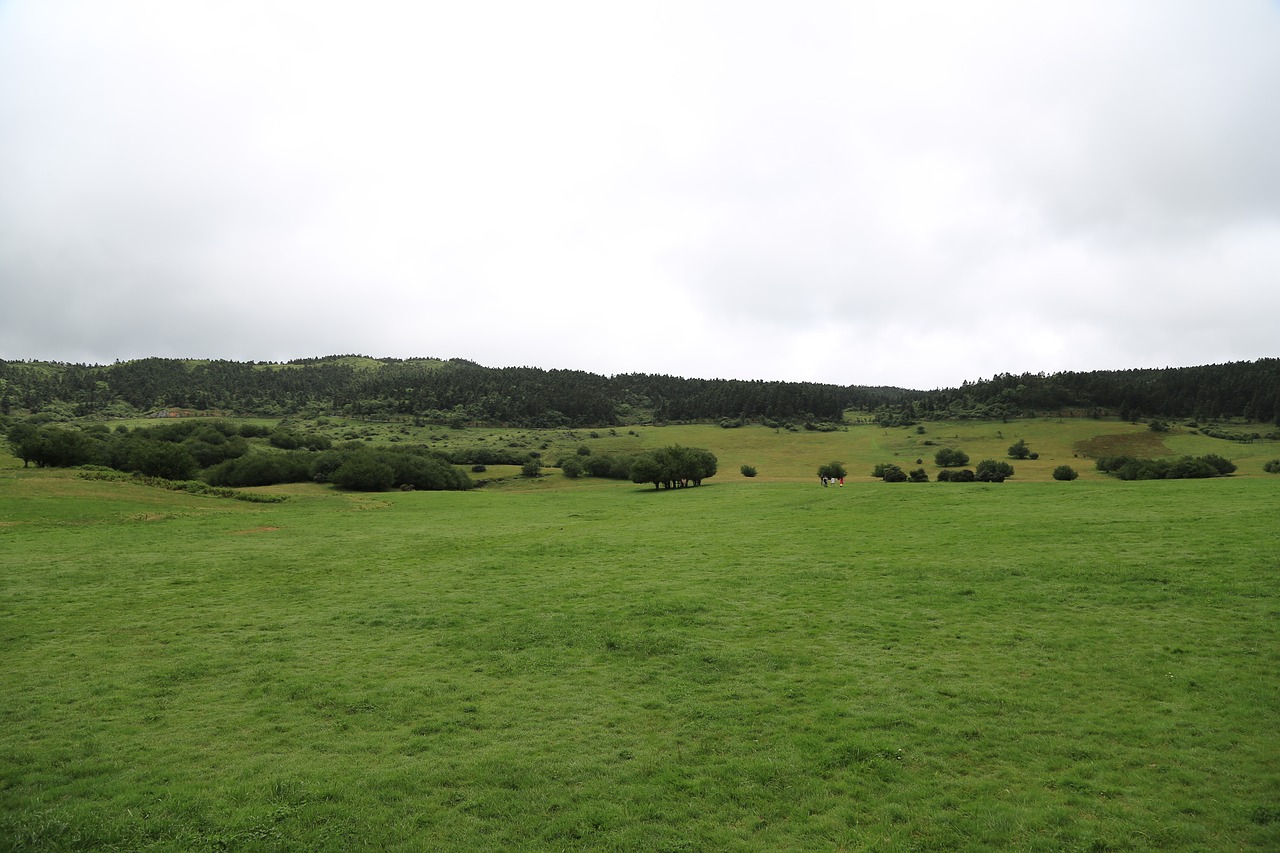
[(827, 481)]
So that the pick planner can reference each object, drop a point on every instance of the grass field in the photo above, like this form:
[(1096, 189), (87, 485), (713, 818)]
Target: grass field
[(558, 665), (783, 456)]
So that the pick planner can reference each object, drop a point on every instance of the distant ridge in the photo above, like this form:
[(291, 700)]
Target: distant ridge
[(458, 391)]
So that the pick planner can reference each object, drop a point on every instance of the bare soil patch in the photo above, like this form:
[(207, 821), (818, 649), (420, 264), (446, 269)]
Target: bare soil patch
[(1146, 445)]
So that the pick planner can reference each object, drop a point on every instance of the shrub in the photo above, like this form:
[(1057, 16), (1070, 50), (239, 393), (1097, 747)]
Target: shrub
[(964, 475), (1272, 467), (748, 471), (362, 472), (423, 471), (993, 471), (531, 468), (162, 459), (949, 457), (1186, 467), (889, 472), (1222, 466), (285, 439), (919, 475), (1019, 449), (261, 469), (571, 468), (1064, 472), (486, 456), (833, 471)]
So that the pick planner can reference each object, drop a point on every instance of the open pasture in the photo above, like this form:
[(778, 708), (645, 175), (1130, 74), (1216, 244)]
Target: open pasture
[(782, 455), (748, 665)]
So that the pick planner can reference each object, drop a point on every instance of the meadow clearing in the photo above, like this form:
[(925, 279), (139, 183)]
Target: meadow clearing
[(554, 664)]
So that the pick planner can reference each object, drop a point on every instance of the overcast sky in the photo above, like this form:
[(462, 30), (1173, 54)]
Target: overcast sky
[(864, 193)]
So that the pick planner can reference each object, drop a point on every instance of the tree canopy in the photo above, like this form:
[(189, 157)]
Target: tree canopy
[(673, 467), (460, 391)]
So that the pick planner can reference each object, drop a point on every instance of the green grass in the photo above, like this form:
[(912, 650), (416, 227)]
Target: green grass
[(557, 664), (783, 456)]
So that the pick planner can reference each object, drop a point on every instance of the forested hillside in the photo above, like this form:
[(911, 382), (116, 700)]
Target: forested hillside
[(459, 391)]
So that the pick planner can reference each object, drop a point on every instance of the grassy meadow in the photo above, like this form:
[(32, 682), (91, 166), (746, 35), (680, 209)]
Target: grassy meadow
[(756, 664)]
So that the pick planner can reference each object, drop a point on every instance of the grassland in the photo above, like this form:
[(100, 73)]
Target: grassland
[(556, 665), (780, 455)]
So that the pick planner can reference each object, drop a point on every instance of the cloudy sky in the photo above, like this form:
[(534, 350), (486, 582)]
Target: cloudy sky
[(872, 193)]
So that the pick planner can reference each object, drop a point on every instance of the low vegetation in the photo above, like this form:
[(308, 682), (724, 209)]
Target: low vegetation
[(1182, 468)]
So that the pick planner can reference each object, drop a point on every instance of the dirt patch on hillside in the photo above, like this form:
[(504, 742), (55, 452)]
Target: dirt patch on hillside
[(253, 530), (1145, 445)]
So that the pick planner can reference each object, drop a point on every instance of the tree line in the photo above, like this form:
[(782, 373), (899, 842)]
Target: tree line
[(1246, 389), (459, 392)]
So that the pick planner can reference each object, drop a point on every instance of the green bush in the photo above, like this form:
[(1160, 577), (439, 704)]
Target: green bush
[(610, 467), (992, 471), (262, 469), (674, 466), (949, 457), (833, 471), (163, 459), (1185, 467), (1272, 467), (1064, 472), (748, 470), (363, 472), (889, 472)]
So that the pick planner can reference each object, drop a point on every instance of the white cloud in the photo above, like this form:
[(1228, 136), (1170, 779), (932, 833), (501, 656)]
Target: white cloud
[(882, 193)]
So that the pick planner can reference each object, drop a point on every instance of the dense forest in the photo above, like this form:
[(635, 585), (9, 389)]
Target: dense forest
[(459, 392)]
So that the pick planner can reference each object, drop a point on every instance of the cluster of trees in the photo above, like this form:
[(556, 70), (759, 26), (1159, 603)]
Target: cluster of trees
[(459, 391), (352, 466), (986, 471), (449, 392), (1185, 467), (175, 451), (673, 467), (1245, 389), (891, 473), (218, 453)]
